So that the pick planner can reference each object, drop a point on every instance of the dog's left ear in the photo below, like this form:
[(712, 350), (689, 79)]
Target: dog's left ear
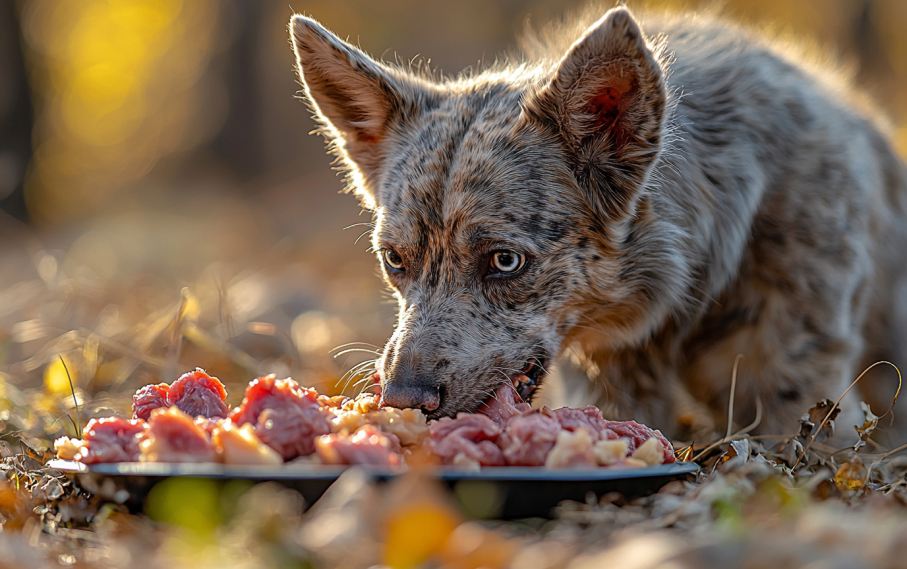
[(607, 101), (356, 98)]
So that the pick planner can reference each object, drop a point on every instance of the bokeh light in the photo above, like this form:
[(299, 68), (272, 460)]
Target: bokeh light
[(119, 84)]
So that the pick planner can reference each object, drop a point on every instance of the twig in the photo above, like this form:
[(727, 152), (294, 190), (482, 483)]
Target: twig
[(741, 433), (835, 406), (730, 403), (73, 391)]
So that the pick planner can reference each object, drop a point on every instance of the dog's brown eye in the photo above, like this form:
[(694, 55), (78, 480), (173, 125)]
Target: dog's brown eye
[(392, 259), (507, 262)]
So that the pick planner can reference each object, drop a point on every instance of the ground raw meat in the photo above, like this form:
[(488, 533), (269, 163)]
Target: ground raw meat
[(527, 439), (467, 440), (638, 434), (286, 417), (174, 437), (198, 394), (149, 398), (367, 445), (111, 440), (504, 405), (589, 418)]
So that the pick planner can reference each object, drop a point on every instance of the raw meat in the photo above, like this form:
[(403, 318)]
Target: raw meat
[(503, 405), (574, 449), (240, 445), (408, 425), (279, 421), (111, 440), (588, 418), (611, 452), (198, 394), (174, 437), (468, 440), (149, 398), (367, 445), (638, 434), (286, 417), (650, 452), (528, 438), (69, 449)]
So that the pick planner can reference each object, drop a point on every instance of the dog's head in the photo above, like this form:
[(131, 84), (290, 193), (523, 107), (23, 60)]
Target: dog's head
[(502, 202)]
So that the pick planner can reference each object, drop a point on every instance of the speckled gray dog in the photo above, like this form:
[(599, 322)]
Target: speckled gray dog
[(657, 202)]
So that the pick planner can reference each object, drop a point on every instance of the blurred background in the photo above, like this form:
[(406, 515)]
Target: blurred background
[(164, 205)]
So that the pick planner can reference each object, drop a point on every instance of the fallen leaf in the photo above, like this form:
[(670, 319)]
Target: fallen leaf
[(415, 533), (870, 422), (810, 421), (739, 448), (851, 476)]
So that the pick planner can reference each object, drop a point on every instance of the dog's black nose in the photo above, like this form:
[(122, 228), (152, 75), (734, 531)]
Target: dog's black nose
[(411, 396)]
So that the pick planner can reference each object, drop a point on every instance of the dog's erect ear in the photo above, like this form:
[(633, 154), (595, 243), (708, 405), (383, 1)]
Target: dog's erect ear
[(607, 101), (356, 98)]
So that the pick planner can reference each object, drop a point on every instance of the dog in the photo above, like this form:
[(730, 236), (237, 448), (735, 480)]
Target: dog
[(675, 200)]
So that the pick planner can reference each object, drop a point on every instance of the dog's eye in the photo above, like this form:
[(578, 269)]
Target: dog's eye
[(506, 262), (392, 259)]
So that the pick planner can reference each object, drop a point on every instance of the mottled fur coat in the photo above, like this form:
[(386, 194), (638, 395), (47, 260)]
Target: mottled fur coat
[(658, 197)]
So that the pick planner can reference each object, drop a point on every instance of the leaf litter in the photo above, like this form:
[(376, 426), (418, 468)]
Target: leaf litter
[(789, 500)]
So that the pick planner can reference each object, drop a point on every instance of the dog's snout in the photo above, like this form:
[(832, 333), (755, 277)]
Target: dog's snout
[(418, 396)]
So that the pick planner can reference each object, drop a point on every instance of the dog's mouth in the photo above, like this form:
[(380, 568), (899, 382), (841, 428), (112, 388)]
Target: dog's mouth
[(527, 382)]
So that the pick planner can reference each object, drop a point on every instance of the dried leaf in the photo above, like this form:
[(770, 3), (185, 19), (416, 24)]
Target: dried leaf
[(814, 417), (851, 476), (787, 453), (870, 422), (739, 448), (684, 454)]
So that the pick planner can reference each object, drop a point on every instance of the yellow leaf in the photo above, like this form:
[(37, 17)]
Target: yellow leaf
[(416, 533), (56, 381), (851, 475)]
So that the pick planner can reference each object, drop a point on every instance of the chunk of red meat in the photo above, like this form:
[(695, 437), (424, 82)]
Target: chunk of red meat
[(112, 440), (528, 438), (206, 424), (198, 394), (471, 437), (589, 418), (149, 398), (173, 436), (367, 445), (638, 434), (504, 405), (286, 417)]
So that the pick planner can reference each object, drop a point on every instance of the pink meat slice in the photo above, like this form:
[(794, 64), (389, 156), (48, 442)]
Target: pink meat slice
[(149, 398), (470, 435), (112, 439), (589, 418), (199, 395), (504, 405), (367, 445), (528, 438), (638, 434), (286, 416)]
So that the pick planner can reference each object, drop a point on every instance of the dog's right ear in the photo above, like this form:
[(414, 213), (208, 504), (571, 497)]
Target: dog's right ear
[(356, 98)]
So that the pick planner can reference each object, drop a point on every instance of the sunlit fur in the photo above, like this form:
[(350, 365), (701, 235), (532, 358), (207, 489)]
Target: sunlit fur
[(734, 202)]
